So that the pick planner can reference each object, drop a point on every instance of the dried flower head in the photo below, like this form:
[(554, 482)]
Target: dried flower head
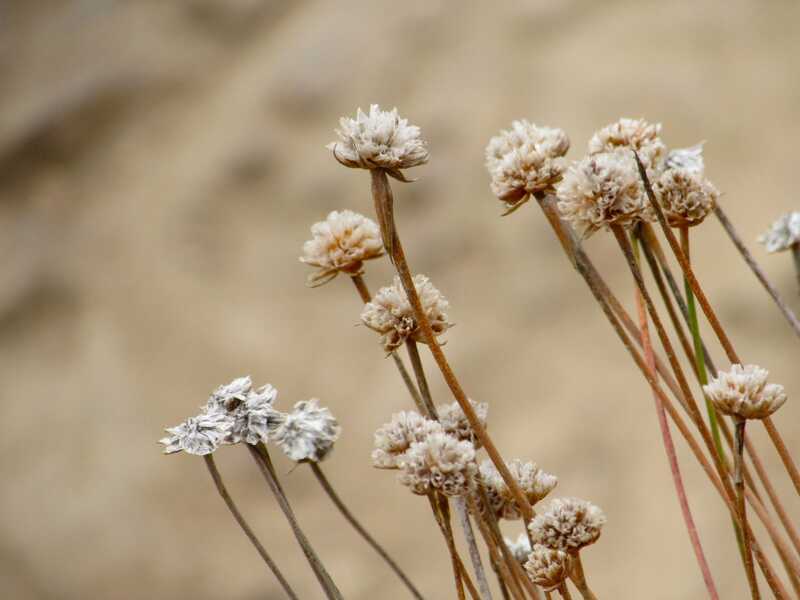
[(519, 549), (198, 435), (547, 567), (690, 158), (341, 243), (390, 313), (525, 160), (569, 524), (440, 463), (636, 134), (251, 415), (743, 392), (308, 432), (783, 233), (603, 190), (534, 482), (455, 422), (379, 140), (686, 196), (393, 439)]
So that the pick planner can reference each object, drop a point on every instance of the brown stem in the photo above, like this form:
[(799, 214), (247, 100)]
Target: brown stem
[(382, 195), (579, 578), (458, 573), (474, 554), (796, 260), (350, 518), (331, 591), (757, 271), (422, 381), (564, 591), (738, 481), (719, 331), (248, 531)]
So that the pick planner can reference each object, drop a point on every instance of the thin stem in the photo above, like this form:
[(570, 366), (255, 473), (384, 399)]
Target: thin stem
[(579, 578), (738, 481), (564, 591), (796, 260), (422, 381), (382, 196), (474, 554), (248, 531), (331, 591), (451, 547), (348, 515), (666, 436), (757, 271), (719, 331)]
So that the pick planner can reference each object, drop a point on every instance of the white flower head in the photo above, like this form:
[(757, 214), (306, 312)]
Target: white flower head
[(783, 234), (379, 140), (198, 435), (308, 432), (455, 422), (534, 483), (743, 392), (525, 160), (252, 417), (686, 196), (603, 190), (393, 439), (440, 463), (341, 243), (547, 567), (636, 134), (232, 393), (390, 314), (569, 524), (519, 549), (690, 158)]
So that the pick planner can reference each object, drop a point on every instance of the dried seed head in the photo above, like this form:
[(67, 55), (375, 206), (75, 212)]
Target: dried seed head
[(393, 439), (455, 422), (686, 196), (569, 524), (519, 549), (525, 160), (534, 482), (252, 417), (743, 392), (603, 190), (379, 140), (342, 242), (390, 313), (783, 234), (636, 134), (690, 158), (547, 568), (308, 432), (198, 435), (439, 463)]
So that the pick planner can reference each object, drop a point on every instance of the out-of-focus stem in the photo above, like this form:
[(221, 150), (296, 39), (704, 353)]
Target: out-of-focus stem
[(474, 554), (422, 380), (579, 579)]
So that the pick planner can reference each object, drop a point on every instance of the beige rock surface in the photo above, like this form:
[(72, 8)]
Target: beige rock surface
[(161, 163)]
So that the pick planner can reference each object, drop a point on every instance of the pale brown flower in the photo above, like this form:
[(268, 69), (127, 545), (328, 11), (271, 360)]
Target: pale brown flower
[(547, 567), (455, 422), (636, 134), (534, 483), (568, 524), (439, 463), (686, 196), (393, 439), (743, 392)]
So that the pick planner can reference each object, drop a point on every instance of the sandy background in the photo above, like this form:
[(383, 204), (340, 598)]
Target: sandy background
[(160, 164)]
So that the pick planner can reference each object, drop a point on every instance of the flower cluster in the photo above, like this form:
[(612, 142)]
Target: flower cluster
[(390, 314), (783, 234), (455, 422), (635, 134), (394, 439), (520, 549), (525, 160), (686, 195), (379, 140), (548, 567), (341, 243), (439, 463), (569, 524), (743, 392), (535, 484), (235, 413)]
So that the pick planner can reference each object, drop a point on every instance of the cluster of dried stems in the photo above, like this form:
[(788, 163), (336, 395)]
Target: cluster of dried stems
[(628, 184)]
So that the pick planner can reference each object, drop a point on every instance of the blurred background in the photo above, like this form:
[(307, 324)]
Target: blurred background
[(160, 165)]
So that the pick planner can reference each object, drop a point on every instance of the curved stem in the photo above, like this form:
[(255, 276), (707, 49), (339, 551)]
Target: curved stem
[(337, 501), (248, 531), (564, 591), (738, 482), (579, 578)]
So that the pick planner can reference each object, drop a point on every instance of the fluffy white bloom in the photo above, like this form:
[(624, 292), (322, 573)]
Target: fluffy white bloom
[(690, 158), (603, 190), (569, 524), (198, 435), (743, 392), (379, 140), (520, 549), (783, 234), (534, 482), (342, 242), (441, 463), (525, 160), (455, 422), (390, 313), (393, 439), (235, 391), (636, 134), (308, 432), (547, 568), (686, 196), (252, 416)]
